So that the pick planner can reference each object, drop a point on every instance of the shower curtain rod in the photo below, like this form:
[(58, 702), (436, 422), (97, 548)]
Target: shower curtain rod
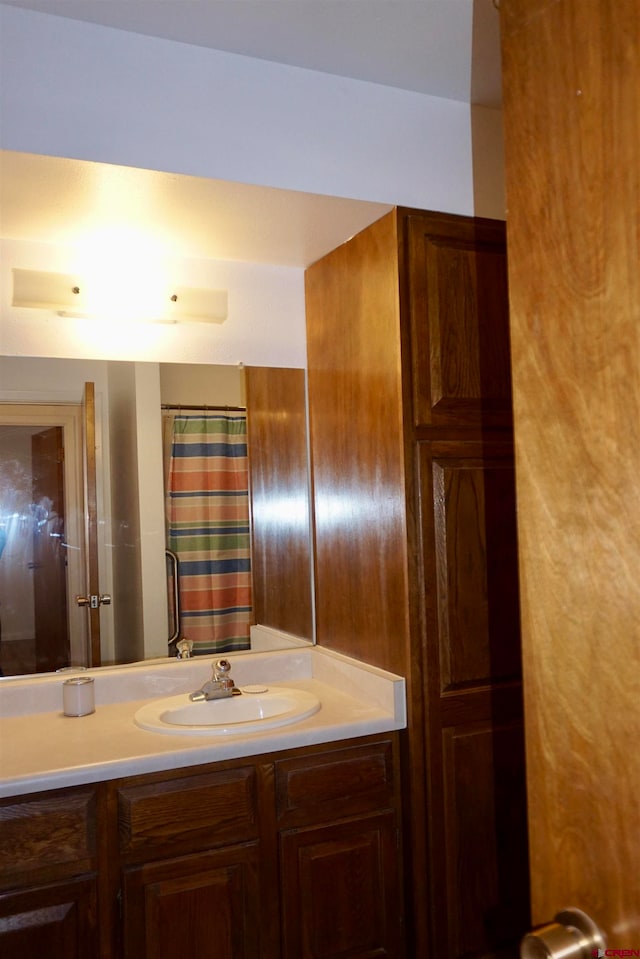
[(204, 408)]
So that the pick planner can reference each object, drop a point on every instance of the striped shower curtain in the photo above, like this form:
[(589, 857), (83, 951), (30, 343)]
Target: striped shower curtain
[(208, 529)]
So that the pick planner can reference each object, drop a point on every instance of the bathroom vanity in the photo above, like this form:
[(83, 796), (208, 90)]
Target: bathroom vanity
[(282, 843)]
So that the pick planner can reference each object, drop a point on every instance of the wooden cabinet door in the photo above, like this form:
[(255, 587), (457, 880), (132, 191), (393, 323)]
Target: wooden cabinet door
[(458, 306), (340, 890), (57, 921), (475, 753), (206, 904)]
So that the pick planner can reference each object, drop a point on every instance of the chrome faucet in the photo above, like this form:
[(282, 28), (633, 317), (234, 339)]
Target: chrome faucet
[(220, 686)]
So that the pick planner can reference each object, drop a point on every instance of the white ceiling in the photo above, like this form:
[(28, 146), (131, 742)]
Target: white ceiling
[(76, 202), (447, 48)]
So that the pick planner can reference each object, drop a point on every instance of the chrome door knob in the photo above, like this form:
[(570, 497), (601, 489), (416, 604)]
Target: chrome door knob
[(93, 602), (572, 935)]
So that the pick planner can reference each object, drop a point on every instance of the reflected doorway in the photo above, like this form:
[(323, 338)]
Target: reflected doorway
[(41, 561)]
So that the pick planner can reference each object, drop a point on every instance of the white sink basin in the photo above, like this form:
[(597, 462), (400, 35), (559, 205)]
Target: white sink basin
[(250, 712)]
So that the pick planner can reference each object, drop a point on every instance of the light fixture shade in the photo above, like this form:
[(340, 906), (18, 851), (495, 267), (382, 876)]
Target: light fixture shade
[(46, 291), (196, 304), (68, 296)]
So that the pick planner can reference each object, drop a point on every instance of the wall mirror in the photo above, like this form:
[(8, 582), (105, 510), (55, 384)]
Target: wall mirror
[(45, 507)]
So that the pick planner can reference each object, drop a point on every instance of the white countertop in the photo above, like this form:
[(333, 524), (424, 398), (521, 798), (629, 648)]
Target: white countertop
[(41, 748)]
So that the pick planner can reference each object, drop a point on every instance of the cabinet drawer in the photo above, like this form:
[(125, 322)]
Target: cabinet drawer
[(188, 812), (335, 784), (48, 837)]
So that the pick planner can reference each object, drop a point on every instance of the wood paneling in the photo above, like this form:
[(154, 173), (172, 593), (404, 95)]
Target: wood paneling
[(353, 347), (572, 121), (280, 499)]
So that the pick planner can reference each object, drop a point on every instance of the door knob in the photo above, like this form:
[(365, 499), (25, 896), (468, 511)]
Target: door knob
[(94, 601), (571, 935)]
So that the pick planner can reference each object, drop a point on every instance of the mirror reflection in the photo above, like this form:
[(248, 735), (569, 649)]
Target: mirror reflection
[(172, 473)]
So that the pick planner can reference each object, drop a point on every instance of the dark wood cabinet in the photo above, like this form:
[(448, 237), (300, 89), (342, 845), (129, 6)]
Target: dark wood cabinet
[(56, 920), (289, 854), (416, 548), (339, 842), (340, 889), (48, 875), (194, 905)]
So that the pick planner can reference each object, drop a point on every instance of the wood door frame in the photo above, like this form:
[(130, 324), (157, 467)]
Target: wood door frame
[(69, 417)]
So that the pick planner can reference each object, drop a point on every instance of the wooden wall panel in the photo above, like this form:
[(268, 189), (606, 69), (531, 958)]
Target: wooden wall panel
[(353, 346), (280, 499)]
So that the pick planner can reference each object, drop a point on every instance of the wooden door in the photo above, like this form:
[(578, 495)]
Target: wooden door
[(52, 647), (572, 122)]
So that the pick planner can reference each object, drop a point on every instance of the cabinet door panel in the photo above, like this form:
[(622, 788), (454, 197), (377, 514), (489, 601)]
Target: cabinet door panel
[(459, 321), (485, 838), (475, 748), (57, 921), (471, 557), (341, 890), (335, 784), (199, 905)]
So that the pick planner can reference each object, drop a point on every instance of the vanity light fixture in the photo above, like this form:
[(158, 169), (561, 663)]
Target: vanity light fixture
[(63, 294), (41, 290), (198, 305)]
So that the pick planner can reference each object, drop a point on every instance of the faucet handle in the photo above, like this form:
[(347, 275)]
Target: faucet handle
[(183, 649), (221, 669)]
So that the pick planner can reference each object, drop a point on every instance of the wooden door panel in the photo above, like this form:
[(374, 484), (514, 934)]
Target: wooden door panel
[(198, 905), (340, 889), (475, 750), (471, 561), (459, 321), (485, 838), (572, 121), (57, 921)]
